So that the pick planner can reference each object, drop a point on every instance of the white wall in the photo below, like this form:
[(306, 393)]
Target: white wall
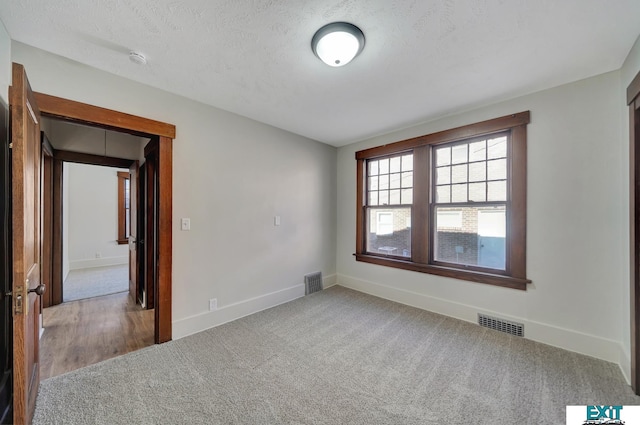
[(575, 251), (65, 221), (93, 217), (5, 63), (629, 70), (231, 176)]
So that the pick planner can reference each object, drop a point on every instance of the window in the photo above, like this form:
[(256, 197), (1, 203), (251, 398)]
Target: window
[(451, 203), (124, 215)]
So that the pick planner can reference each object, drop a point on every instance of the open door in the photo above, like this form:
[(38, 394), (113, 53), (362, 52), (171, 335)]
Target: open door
[(133, 229), (26, 286)]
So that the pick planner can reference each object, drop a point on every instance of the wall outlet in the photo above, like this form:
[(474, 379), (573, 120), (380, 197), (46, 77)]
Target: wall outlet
[(213, 304), (98, 255)]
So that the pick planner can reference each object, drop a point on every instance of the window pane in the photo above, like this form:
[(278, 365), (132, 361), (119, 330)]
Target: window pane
[(478, 151), (407, 179), (127, 216), (478, 192), (373, 198), (497, 191), (443, 175), (373, 183), (459, 154), (497, 147), (407, 162), (477, 171), (407, 196), (373, 168), (497, 169), (394, 164), (459, 174), (394, 181), (389, 231), (383, 197), (443, 194), (459, 193), (443, 156), (384, 166), (394, 197), (384, 182), (479, 240)]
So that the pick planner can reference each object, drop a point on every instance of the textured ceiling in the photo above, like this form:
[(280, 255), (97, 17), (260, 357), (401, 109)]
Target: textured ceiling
[(423, 58)]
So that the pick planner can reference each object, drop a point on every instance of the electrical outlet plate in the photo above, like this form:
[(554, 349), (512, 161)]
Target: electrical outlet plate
[(213, 304)]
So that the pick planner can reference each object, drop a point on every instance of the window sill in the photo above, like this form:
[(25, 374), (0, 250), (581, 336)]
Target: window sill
[(473, 276), (123, 241)]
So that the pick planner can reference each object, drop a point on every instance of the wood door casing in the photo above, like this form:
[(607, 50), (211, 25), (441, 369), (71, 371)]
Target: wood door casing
[(134, 201), (26, 162), (69, 110), (633, 100)]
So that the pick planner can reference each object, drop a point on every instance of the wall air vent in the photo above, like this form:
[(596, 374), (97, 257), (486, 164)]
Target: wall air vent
[(511, 328), (312, 283)]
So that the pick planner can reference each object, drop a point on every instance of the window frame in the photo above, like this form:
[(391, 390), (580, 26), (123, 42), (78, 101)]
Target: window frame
[(123, 238), (421, 259)]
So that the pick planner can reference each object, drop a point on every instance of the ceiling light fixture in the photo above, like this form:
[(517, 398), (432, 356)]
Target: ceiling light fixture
[(137, 57), (336, 44)]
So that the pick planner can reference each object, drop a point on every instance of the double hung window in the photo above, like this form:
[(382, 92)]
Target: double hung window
[(451, 203)]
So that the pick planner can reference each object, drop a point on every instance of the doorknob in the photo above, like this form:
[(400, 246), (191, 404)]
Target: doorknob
[(39, 290)]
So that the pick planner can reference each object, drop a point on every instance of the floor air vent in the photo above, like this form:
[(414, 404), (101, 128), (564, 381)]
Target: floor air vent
[(312, 283), (511, 328)]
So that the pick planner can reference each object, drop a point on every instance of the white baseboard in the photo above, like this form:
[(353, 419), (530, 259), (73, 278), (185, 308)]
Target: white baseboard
[(567, 339), (625, 364), (329, 281), (97, 262), (228, 313)]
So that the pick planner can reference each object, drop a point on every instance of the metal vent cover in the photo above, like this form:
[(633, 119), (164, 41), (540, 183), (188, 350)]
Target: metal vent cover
[(501, 325), (312, 283)]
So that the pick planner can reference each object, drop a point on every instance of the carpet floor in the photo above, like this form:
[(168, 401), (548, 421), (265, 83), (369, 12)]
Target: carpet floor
[(336, 357), (95, 282)]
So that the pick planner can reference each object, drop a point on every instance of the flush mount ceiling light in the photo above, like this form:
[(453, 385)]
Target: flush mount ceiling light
[(336, 44), (137, 57)]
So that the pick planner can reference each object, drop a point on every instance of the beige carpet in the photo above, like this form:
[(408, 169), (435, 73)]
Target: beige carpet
[(336, 357), (95, 282)]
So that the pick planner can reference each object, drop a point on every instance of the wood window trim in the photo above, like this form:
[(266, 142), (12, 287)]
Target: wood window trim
[(122, 219), (515, 275)]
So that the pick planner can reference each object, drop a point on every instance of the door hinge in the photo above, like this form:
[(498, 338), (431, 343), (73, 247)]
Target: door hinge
[(11, 145)]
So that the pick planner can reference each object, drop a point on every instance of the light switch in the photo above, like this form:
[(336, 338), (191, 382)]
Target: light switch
[(276, 220), (185, 224)]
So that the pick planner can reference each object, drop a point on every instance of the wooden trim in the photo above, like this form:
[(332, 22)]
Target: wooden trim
[(165, 247), (57, 243), (47, 225), (85, 158), (122, 211), (634, 89), (420, 218), (70, 110), (473, 276), (517, 219), (458, 133), (360, 203)]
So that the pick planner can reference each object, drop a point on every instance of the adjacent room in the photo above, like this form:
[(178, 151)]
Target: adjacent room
[(435, 223)]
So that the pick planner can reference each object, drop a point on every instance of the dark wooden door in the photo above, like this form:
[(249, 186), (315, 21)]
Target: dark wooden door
[(25, 162), (150, 234), (133, 228), (6, 335)]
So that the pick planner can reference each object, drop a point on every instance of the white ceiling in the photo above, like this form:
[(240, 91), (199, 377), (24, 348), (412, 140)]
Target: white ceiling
[(422, 59)]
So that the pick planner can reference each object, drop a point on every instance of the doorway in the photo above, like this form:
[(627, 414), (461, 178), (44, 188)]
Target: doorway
[(93, 315), (161, 135)]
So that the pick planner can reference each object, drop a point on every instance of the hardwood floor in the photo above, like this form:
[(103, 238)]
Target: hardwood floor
[(81, 333)]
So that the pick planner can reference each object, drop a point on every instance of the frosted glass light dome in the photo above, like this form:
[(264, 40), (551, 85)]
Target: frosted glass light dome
[(336, 44)]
